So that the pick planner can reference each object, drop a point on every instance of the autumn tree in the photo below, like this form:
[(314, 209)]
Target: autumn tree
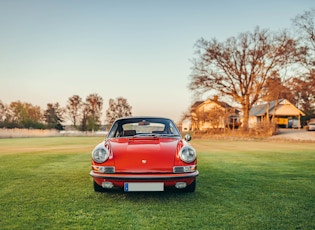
[(54, 116), (239, 67), (91, 114), (24, 115), (276, 88), (2, 114), (117, 108), (216, 116), (74, 108), (7, 117)]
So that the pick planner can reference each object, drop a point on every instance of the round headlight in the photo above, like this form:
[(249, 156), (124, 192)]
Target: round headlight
[(100, 155), (187, 154)]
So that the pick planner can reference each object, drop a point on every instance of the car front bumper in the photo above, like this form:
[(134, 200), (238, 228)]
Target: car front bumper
[(168, 179), (148, 177)]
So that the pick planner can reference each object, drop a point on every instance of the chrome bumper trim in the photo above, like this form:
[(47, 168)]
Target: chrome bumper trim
[(168, 176)]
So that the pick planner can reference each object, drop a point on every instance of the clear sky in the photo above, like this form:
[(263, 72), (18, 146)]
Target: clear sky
[(136, 49)]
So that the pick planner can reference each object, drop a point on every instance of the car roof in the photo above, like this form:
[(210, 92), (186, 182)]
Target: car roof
[(142, 117)]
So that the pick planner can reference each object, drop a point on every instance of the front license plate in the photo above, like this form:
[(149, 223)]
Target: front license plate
[(143, 187)]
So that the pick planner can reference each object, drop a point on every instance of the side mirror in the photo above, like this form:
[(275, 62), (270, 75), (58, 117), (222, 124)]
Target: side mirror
[(187, 137)]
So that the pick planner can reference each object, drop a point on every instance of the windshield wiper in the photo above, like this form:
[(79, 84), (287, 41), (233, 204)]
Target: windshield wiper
[(169, 135), (145, 135), (156, 135)]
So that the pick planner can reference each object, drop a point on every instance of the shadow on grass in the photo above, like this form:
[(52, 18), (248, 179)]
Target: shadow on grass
[(167, 194)]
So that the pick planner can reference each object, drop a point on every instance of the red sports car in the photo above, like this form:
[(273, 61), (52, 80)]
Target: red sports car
[(144, 154)]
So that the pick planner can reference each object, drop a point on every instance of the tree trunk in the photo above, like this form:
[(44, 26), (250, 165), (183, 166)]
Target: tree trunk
[(245, 116)]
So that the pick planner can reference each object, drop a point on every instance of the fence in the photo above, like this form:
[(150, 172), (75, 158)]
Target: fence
[(11, 133)]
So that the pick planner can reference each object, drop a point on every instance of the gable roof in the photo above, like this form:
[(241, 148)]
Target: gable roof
[(282, 107), (219, 103), (196, 104)]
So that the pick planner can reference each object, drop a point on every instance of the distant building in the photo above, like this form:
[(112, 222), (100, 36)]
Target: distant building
[(284, 113), (210, 114), (186, 125)]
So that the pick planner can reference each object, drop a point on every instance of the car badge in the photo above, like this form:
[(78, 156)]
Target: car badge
[(144, 161)]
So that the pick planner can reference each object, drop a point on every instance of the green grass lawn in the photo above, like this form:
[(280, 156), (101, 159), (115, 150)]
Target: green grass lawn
[(45, 184)]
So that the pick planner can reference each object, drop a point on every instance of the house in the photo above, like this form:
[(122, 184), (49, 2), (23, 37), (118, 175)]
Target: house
[(186, 125), (211, 114), (284, 113)]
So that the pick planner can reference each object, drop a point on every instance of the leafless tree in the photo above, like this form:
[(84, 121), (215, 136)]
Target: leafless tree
[(240, 67), (185, 115), (306, 27), (304, 84)]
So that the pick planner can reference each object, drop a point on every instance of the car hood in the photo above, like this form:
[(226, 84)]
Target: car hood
[(144, 154)]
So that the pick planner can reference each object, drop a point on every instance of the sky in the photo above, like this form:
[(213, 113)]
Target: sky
[(137, 49)]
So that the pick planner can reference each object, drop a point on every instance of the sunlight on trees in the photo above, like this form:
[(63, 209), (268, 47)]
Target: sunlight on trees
[(240, 67), (73, 109), (92, 112), (117, 108)]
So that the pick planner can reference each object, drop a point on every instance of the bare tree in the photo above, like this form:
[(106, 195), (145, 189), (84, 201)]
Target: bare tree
[(74, 107), (117, 108), (240, 67), (185, 115), (306, 27), (304, 84)]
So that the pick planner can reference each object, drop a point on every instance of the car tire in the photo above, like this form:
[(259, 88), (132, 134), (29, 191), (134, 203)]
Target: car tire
[(98, 188), (191, 187)]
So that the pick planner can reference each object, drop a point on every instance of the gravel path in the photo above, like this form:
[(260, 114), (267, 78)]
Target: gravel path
[(295, 134)]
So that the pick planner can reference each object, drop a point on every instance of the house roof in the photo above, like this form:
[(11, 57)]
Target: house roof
[(220, 103), (282, 107), (196, 104)]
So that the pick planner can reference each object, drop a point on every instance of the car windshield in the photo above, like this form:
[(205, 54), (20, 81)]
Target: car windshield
[(128, 127)]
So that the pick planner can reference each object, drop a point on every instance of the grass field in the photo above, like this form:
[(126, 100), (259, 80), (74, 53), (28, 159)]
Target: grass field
[(45, 184)]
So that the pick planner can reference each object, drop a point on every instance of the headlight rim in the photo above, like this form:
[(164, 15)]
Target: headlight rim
[(184, 158), (104, 150)]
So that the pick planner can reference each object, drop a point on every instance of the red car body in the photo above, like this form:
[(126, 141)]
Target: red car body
[(144, 154)]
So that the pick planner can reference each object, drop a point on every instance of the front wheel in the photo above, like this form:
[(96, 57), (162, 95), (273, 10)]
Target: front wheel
[(191, 187)]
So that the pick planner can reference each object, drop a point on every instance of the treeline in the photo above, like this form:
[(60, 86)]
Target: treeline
[(83, 115)]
